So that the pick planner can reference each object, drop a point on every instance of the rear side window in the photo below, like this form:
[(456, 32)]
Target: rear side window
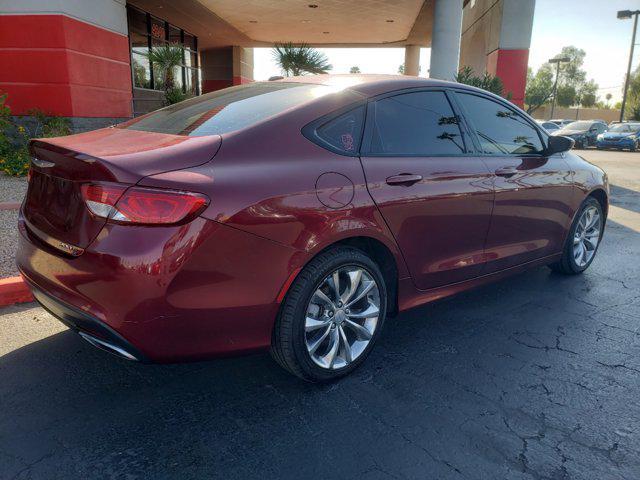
[(500, 130), (343, 133), (227, 110), (418, 123)]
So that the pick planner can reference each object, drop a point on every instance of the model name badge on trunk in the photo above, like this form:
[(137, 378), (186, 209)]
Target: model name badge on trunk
[(41, 163), (70, 249)]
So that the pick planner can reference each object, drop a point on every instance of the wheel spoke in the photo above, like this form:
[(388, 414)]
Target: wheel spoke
[(345, 345), (370, 312), (577, 252), (577, 239), (592, 240), (593, 218), (361, 332), (330, 357), (366, 289), (336, 285), (321, 295), (312, 324), (314, 346), (354, 283)]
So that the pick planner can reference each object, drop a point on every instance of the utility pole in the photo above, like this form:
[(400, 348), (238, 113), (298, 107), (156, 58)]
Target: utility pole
[(625, 15), (557, 61)]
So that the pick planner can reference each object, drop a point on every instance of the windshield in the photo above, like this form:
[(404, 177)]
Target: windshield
[(578, 126), (227, 110), (625, 127)]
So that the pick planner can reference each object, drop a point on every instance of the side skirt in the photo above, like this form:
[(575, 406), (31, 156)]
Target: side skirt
[(409, 296)]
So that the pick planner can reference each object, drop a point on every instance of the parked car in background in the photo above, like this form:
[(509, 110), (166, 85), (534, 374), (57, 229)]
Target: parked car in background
[(296, 215), (561, 122), (548, 126), (583, 132), (621, 136)]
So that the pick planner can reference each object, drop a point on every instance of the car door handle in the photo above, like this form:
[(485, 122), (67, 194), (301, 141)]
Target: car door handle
[(506, 172), (405, 179)]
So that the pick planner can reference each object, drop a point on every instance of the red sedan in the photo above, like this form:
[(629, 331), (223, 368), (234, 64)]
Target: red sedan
[(296, 216)]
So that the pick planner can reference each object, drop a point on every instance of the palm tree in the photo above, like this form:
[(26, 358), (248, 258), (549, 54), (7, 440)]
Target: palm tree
[(298, 60), (165, 59), (608, 96)]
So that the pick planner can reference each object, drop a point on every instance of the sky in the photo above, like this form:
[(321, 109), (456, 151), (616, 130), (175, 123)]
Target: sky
[(588, 24)]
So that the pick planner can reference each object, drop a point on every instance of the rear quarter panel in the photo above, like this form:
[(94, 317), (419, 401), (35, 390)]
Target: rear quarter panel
[(269, 180)]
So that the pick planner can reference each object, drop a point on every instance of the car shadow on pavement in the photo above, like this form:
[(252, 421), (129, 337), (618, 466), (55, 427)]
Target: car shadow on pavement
[(625, 198)]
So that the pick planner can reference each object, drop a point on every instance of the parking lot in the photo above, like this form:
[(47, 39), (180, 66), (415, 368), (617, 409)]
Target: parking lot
[(535, 377)]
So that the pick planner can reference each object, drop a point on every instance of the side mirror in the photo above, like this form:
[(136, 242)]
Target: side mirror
[(559, 144)]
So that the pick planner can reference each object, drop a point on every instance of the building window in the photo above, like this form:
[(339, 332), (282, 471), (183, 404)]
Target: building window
[(147, 32)]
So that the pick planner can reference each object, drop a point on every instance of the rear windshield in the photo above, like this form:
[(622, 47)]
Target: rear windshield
[(578, 126), (227, 110)]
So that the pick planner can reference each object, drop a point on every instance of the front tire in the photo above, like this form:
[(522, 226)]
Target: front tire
[(583, 239), (331, 316)]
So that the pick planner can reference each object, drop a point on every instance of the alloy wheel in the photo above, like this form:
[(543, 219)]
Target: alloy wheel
[(342, 317), (586, 236)]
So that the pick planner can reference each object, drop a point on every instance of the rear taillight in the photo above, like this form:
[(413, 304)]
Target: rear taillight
[(142, 206)]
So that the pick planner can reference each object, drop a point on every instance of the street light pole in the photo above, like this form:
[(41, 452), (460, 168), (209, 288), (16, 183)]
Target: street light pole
[(557, 61), (623, 15)]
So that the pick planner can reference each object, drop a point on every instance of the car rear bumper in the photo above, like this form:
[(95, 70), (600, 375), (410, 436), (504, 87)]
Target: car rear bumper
[(98, 333), (164, 294)]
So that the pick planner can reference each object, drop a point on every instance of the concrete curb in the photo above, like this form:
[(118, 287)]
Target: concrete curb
[(9, 205), (14, 290)]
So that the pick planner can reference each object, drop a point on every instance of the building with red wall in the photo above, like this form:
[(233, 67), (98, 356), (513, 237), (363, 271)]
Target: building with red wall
[(85, 59)]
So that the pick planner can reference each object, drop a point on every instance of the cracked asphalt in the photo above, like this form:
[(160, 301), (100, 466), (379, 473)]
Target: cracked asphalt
[(535, 377)]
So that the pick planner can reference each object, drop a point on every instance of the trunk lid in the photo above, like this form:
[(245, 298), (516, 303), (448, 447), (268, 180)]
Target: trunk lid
[(54, 209)]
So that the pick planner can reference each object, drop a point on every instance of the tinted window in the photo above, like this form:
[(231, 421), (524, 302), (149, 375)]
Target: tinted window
[(500, 130), (343, 132), (227, 110), (419, 123)]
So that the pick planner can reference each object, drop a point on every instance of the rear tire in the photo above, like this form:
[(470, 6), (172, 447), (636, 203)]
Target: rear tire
[(312, 312), (583, 239)]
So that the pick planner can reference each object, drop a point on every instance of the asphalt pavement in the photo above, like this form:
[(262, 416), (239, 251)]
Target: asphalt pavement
[(535, 377)]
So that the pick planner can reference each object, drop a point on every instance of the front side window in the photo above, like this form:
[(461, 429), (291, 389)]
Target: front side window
[(500, 130), (418, 123)]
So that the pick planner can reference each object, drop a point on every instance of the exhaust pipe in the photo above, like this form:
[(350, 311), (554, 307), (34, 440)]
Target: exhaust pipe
[(108, 347)]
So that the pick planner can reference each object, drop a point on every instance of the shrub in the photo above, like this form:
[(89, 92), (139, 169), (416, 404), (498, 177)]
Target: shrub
[(487, 81), (15, 136)]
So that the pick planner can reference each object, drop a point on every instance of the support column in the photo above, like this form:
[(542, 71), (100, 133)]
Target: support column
[(445, 43), (412, 60), (510, 60), (226, 66), (242, 65)]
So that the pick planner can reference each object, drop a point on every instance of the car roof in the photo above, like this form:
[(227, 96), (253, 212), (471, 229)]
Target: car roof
[(373, 84)]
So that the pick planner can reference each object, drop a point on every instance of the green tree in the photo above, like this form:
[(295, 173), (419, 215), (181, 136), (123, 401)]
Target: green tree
[(588, 94), (571, 73), (539, 87), (566, 95), (355, 70), (166, 60), (632, 108), (608, 96), (297, 60)]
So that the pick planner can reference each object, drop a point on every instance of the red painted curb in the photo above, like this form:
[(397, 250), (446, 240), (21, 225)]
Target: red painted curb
[(9, 205), (14, 290)]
